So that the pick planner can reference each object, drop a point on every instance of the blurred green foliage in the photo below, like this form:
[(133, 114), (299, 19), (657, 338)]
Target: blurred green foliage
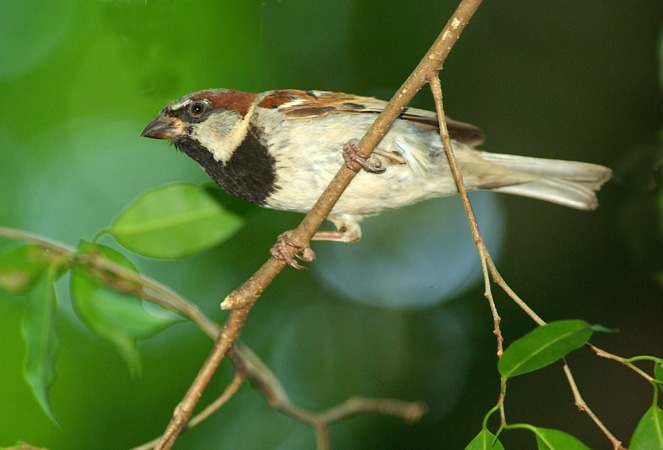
[(79, 80)]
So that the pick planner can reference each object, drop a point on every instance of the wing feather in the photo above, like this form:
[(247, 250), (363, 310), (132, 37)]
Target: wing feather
[(305, 104)]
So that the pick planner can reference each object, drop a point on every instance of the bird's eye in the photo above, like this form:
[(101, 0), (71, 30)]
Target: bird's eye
[(197, 108)]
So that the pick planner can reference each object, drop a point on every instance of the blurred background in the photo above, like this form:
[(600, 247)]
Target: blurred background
[(79, 80)]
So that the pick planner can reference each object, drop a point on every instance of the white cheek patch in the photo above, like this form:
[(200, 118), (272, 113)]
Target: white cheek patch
[(219, 138)]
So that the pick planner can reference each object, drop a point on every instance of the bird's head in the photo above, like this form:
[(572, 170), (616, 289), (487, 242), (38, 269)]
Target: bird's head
[(215, 119)]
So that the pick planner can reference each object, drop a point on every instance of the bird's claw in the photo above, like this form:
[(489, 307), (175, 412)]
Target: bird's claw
[(355, 160), (281, 252)]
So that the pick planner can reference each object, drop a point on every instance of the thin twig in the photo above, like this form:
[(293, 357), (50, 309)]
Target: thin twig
[(510, 292), (227, 394), (227, 337), (484, 256), (603, 354), (154, 291), (270, 387), (161, 294), (25, 236), (408, 411), (322, 440), (582, 406), (493, 309), (436, 89), (500, 401)]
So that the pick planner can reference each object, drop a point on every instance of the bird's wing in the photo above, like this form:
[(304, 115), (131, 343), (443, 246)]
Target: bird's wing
[(300, 104)]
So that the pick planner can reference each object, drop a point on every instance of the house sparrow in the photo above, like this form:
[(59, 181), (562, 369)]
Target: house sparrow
[(280, 149)]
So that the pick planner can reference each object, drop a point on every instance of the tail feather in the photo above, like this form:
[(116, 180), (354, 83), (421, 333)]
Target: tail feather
[(569, 183)]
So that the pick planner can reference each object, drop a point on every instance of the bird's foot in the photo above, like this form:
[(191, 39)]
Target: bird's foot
[(355, 160), (283, 251)]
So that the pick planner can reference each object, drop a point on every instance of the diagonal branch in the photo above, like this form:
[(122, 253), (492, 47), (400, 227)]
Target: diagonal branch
[(244, 296), (227, 394), (582, 406)]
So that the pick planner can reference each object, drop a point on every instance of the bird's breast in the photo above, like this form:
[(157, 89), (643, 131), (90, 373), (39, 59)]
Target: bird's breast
[(250, 173)]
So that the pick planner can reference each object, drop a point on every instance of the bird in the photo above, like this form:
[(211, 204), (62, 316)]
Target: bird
[(280, 149)]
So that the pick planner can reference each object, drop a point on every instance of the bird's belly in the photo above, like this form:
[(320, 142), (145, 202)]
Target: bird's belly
[(367, 194), (305, 165)]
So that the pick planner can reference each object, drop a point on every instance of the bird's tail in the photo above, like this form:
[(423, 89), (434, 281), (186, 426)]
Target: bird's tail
[(567, 183)]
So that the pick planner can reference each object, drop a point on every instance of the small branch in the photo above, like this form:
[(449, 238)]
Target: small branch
[(322, 440), (493, 309), (251, 368), (582, 406), (20, 235), (127, 280), (227, 337), (500, 401), (408, 411), (149, 289), (227, 394), (269, 386), (607, 355), (486, 260), (510, 292), (436, 89)]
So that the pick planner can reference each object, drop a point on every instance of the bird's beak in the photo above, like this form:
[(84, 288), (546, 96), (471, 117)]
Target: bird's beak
[(164, 127)]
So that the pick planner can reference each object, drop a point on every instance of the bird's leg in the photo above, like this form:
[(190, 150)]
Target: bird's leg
[(281, 252), (355, 160), (342, 235), (348, 230)]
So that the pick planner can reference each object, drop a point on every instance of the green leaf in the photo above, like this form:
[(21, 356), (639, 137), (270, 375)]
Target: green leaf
[(21, 266), (485, 440), (543, 346), (549, 439), (39, 332), (658, 373), (116, 317), (597, 328), (174, 221), (648, 435)]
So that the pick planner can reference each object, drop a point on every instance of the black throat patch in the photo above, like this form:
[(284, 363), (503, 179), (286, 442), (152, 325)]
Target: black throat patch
[(250, 173)]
